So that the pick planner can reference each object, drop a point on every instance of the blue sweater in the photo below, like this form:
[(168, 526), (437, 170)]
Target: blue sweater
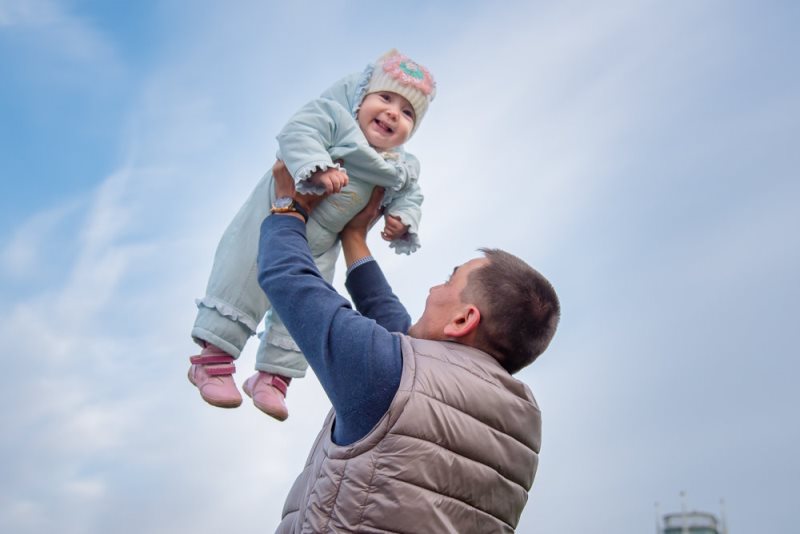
[(355, 354)]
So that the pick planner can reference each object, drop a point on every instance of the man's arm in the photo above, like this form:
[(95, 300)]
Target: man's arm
[(365, 282), (373, 297), (357, 361)]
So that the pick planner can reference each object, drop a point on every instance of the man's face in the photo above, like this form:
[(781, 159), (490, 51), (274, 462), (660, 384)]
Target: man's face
[(444, 303)]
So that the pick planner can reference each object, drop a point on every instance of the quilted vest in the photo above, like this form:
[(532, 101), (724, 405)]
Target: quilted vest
[(456, 452)]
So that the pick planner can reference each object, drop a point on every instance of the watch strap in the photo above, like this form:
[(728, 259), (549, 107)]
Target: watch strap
[(294, 206)]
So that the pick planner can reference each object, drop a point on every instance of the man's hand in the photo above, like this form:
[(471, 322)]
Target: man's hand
[(354, 234), (366, 218), (284, 183), (284, 187)]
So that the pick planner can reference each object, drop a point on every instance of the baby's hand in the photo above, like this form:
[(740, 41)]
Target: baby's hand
[(393, 228), (333, 180)]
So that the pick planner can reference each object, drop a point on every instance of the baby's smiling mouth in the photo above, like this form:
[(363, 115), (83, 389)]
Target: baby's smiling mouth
[(383, 126)]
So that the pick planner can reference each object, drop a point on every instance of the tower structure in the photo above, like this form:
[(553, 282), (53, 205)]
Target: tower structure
[(691, 522)]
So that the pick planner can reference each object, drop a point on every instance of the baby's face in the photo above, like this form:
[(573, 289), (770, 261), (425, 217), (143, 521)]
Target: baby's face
[(386, 119)]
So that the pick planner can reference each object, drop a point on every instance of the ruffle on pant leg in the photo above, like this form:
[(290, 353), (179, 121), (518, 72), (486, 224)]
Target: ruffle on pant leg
[(279, 339), (277, 356), (226, 310)]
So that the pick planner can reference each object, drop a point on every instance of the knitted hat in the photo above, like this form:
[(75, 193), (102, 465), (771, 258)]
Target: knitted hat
[(397, 73)]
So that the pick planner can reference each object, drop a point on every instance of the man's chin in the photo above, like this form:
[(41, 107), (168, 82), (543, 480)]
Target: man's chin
[(413, 331)]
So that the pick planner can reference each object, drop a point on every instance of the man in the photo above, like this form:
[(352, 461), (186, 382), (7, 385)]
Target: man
[(429, 431)]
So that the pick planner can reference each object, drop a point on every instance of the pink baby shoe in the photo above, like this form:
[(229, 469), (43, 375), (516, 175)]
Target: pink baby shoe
[(211, 371), (268, 392)]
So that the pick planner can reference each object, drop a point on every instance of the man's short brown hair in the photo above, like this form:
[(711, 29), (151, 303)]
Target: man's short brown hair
[(519, 309)]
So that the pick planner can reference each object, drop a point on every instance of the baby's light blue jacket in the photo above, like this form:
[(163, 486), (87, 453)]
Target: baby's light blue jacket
[(326, 130)]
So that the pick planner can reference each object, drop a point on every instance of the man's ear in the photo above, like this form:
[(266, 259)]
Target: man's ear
[(465, 323)]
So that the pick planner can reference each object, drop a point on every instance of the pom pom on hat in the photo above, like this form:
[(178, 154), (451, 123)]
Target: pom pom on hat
[(397, 73)]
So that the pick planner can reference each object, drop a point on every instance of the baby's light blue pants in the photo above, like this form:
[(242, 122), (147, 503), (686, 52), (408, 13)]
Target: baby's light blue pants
[(234, 303)]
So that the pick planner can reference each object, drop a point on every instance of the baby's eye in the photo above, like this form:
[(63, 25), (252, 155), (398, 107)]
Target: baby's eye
[(385, 97), (409, 113)]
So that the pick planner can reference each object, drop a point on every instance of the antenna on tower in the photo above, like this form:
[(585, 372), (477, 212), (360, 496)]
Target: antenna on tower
[(684, 517), (722, 517), (658, 518)]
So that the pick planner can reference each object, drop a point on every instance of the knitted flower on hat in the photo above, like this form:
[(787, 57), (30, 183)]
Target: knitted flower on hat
[(407, 72), (397, 73)]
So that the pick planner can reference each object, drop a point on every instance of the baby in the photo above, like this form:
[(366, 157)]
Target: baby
[(363, 121)]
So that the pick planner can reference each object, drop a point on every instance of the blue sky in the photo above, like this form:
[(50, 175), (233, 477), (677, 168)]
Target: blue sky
[(642, 154)]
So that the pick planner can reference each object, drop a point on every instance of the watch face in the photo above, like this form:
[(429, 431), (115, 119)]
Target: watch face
[(283, 202)]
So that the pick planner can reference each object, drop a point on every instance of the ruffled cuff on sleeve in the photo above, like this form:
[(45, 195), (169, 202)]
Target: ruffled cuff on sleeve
[(302, 178), (407, 244), (410, 242)]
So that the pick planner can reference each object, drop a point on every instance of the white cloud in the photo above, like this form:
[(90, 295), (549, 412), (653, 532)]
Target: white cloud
[(28, 13), (86, 488), (22, 515), (23, 253), (58, 32)]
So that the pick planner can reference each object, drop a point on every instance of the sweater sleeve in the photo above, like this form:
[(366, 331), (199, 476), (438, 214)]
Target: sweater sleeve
[(357, 361), (374, 298)]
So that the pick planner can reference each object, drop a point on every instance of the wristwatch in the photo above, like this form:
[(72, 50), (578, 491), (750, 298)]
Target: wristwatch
[(287, 205)]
